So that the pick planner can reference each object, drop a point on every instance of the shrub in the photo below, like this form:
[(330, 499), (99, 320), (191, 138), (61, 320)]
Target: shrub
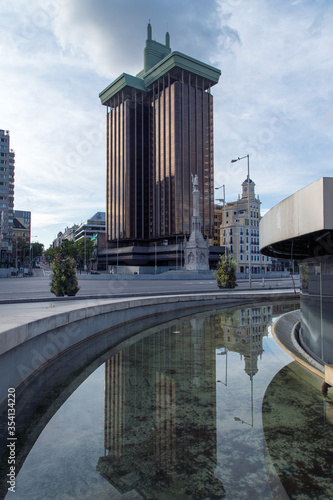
[(225, 273), (64, 279)]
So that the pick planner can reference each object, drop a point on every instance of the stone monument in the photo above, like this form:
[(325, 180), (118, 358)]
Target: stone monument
[(196, 249)]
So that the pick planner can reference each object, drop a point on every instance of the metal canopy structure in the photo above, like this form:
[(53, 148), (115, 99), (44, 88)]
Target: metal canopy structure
[(300, 226)]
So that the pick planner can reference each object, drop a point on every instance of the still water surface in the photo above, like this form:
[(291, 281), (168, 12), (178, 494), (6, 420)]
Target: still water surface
[(178, 413)]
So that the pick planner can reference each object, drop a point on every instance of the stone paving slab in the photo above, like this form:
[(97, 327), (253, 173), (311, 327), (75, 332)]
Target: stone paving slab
[(16, 314)]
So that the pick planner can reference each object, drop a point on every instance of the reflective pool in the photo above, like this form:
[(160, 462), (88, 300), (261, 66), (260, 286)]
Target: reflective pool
[(203, 407)]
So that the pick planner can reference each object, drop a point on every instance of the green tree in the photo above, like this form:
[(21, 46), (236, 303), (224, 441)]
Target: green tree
[(51, 253), (24, 248), (81, 251), (37, 250), (67, 247), (84, 248), (225, 273)]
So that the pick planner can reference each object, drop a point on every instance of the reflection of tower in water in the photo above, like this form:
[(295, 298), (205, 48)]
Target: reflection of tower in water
[(160, 414), (115, 375), (243, 330)]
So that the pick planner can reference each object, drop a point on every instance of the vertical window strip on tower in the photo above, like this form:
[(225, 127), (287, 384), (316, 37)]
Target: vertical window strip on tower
[(189, 160), (135, 170), (169, 148), (142, 170), (109, 173), (122, 225), (153, 169), (182, 166), (164, 161)]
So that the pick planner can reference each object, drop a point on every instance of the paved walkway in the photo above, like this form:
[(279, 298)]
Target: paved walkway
[(20, 312), (17, 314)]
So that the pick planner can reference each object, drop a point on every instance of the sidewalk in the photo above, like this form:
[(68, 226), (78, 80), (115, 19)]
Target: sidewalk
[(18, 314), (21, 311)]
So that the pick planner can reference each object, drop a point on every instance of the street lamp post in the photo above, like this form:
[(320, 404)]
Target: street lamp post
[(155, 243), (176, 252), (85, 251), (224, 219), (31, 250), (249, 212), (117, 253)]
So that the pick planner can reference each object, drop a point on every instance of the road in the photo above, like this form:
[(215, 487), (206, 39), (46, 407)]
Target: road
[(38, 286)]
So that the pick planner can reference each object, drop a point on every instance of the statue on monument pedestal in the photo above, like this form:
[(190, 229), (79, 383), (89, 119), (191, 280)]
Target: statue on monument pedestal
[(195, 182)]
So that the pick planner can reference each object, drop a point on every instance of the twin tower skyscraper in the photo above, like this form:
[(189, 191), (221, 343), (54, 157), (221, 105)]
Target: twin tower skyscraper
[(159, 132)]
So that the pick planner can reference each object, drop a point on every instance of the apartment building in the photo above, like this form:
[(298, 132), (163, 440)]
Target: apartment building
[(7, 168), (239, 232)]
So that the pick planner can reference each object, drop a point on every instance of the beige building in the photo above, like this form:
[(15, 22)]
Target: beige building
[(22, 237), (241, 239)]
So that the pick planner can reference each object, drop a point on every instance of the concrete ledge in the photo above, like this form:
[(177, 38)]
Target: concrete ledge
[(27, 345), (329, 375), (285, 332)]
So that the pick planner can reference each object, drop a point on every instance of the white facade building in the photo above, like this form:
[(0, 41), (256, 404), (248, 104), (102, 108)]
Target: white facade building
[(239, 233)]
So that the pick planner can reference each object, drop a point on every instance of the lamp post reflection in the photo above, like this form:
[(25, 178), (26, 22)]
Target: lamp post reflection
[(224, 353)]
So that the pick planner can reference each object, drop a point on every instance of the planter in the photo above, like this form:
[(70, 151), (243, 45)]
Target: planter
[(64, 279)]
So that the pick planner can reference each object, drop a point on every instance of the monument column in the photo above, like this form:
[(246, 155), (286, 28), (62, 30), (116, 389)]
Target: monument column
[(196, 249)]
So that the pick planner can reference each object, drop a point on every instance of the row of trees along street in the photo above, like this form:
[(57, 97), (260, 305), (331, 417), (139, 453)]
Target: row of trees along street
[(81, 251)]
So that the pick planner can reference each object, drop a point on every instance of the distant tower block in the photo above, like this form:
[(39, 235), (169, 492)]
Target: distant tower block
[(196, 249)]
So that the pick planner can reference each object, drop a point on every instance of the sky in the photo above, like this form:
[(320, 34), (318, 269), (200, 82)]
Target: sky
[(274, 100)]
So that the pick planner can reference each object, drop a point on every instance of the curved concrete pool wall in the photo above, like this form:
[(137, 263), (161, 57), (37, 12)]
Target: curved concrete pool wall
[(27, 346), (286, 332)]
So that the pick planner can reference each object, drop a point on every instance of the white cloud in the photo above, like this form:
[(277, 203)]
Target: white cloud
[(273, 96)]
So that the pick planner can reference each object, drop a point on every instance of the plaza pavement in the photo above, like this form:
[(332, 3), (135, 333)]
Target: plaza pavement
[(21, 311), (16, 312)]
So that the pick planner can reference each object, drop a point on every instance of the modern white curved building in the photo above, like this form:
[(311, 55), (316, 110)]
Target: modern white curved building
[(301, 228)]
